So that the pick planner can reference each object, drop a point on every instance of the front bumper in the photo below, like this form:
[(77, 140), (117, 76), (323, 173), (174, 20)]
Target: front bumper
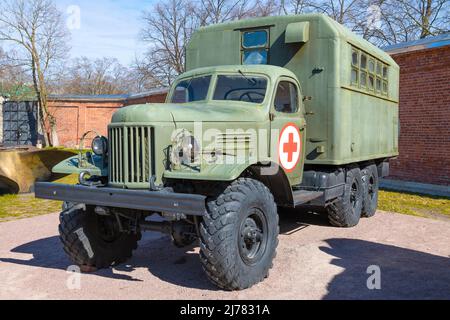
[(154, 201)]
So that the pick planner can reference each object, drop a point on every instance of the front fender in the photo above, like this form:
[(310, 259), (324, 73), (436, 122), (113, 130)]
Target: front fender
[(94, 166)]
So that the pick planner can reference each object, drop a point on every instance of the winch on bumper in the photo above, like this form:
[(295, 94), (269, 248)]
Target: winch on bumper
[(153, 201)]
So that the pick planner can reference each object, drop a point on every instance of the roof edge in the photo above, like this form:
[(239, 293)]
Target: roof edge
[(439, 41), (107, 98)]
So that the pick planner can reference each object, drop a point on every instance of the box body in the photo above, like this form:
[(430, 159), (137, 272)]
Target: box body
[(347, 120)]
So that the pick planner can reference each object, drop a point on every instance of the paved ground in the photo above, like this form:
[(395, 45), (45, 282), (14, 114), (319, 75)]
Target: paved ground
[(315, 261)]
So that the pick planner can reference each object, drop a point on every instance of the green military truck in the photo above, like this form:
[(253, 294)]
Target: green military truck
[(272, 112)]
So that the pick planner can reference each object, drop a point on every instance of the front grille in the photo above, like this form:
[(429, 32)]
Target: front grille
[(131, 156)]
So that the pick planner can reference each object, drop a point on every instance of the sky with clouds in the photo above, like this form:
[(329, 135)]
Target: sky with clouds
[(105, 28)]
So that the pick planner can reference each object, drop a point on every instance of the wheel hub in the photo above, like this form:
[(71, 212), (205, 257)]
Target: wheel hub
[(253, 237)]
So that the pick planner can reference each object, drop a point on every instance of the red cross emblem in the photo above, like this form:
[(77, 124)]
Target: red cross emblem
[(289, 148)]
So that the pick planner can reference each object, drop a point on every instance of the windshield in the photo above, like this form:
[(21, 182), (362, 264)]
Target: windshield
[(241, 87), (190, 90)]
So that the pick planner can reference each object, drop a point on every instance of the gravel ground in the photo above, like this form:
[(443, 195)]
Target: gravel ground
[(314, 261)]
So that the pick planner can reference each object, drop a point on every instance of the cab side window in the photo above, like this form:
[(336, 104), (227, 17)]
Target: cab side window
[(286, 99)]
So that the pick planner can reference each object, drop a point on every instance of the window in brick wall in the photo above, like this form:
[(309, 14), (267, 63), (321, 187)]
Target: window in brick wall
[(368, 73)]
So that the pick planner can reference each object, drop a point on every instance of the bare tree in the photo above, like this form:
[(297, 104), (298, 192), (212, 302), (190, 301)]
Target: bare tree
[(3, 70), (146, 74), (264, 8), (426, 17), (170, 24), (167, 28), (293, 6), (217, 11), (2, 62), (95, 77), (382, 22), (36, 30), (406, 20), (346, 12), (13, 78)]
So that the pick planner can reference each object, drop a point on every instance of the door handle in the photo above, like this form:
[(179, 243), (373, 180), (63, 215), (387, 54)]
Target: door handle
[(271, 116)]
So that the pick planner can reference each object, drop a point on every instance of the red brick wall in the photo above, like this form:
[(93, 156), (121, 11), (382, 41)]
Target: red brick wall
[(74, 118), (156, 98), (424, 117)]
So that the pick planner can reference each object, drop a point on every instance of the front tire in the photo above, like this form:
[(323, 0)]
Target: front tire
[(345, 211), (239, 235), (91, 240)]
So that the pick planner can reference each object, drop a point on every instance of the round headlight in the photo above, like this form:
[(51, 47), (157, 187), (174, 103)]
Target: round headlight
[(100, 145), (185, 150)]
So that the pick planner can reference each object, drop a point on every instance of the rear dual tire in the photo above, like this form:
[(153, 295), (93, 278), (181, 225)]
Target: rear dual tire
[(360, 198), (371, 186), (345, 211)]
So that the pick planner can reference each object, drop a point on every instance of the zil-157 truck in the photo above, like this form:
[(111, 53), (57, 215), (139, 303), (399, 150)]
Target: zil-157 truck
[(272, 112)]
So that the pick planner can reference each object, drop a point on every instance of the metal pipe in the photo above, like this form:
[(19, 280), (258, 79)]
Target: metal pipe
[(163, 227)]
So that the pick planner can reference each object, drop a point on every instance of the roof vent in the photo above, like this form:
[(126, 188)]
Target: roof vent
[(297, 32)]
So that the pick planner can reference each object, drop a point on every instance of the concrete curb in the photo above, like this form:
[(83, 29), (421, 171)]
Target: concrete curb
[(415, 187)]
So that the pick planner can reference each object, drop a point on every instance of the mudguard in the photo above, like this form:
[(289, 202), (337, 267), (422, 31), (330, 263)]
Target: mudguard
[(92, 164)]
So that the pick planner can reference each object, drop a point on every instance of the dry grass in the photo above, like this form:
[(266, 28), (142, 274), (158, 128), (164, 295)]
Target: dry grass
[(414, 204), (26, 205)]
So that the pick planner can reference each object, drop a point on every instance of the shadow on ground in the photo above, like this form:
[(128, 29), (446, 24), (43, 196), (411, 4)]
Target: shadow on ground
[(155, 252), (295, 220), (405, 273)]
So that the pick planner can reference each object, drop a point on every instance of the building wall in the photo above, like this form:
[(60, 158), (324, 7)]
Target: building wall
[(74, 118), (424, 117), (156, 98)]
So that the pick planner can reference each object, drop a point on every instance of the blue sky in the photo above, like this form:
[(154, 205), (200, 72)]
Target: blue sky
[(107, 28)]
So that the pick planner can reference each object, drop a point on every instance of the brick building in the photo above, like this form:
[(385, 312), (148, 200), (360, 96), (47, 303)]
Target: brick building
[(76, 115), (424, 111)]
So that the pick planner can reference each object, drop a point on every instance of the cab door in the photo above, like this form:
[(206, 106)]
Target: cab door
[(288, 127)]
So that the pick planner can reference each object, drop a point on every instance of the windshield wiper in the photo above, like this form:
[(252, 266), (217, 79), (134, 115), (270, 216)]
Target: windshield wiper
[(250, 81)]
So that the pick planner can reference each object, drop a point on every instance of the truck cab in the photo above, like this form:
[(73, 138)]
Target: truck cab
[(251, 104), (272, 112)]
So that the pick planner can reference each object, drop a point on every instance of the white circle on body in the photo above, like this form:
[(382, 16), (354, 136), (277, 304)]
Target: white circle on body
[(289, 147)]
